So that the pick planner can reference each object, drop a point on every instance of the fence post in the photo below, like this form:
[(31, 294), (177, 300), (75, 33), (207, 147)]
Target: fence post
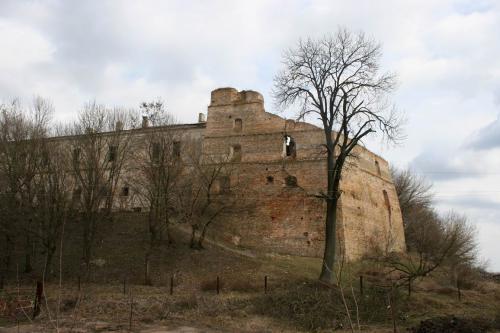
[(124, 286), (265, 284), (361, 285), (218, 286), (172, 285), (79, 283), (38, 299), (131, 310)]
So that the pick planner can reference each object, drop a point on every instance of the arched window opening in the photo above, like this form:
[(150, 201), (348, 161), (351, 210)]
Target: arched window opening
[(112, 153), (238, 125), (289, 144), (387, 202), (236, 153), (76, 156), (155, 152), (177, 148)]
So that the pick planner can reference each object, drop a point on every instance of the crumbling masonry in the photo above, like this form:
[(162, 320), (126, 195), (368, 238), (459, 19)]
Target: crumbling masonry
[(281, 164)]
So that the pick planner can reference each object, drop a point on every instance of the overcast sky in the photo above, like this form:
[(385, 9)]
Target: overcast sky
[(446, 55)]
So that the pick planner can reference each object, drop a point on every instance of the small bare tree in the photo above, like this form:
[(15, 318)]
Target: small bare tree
[(99, 148), (433, 241), (337, 79), (206, 192), (159, 165), (414, 193)]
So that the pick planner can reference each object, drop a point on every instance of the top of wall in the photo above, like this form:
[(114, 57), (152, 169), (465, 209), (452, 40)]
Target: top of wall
[(225, 96)]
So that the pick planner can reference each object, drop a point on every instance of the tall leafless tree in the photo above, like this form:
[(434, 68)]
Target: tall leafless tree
[(99, 147), (22, 133), (337, 79), (52, 206)]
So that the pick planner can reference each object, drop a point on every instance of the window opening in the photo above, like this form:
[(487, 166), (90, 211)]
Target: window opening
[(125, 191), (177, 148), (112, 152), (238, 125), (289, 143), (155, 153), (236, 153), (377, 165), (224, 184), (291, 181)]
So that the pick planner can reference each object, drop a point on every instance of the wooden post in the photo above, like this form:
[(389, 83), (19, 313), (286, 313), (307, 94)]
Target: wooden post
[(38, 299), (124, 286), (172, 285), (131, 311), (361, 285), (265, 284), (218, 285), (79, 283)]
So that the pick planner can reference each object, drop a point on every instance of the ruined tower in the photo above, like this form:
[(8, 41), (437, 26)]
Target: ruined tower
[(282, 166)]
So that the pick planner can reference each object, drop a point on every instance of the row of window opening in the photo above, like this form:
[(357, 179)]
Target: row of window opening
[(112, 154)]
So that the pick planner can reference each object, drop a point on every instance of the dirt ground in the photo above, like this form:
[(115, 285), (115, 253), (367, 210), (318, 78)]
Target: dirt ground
[(116, 300)]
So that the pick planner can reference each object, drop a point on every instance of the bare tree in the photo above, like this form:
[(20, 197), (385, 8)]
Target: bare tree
[(52, 198), (337, 79), (443, 241), (433, 241), (414, 193), (159, 165), (206, 192), (21, 137), (99, 149)]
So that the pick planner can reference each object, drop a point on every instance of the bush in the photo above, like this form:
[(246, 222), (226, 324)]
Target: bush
[(451, 324), (311, 306)]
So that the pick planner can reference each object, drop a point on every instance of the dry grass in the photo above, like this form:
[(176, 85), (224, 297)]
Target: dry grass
[(294, 303)]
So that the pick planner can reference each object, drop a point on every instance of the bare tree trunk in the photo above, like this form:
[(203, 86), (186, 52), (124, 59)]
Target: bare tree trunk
[(193, 236), (48, 259), (147, 277), (147, 257), (87, 248), (27, 262), (7, 256), (327, 270)]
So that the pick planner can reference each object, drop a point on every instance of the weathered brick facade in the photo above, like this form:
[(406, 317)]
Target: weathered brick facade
[(279, 216), (279, 210)]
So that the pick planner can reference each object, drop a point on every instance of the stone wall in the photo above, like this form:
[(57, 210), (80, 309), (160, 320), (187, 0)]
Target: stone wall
[(277, 216), (278, 210)]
